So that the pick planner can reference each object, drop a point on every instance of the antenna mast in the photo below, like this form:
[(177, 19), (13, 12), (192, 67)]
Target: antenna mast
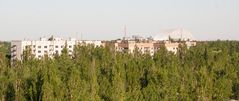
[(125, 32)]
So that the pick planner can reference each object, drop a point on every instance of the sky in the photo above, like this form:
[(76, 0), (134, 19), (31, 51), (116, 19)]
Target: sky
[(105, 19)]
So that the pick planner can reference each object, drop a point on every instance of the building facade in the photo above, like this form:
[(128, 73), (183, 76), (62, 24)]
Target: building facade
[(44, 46), (149, 46), (51, 46)]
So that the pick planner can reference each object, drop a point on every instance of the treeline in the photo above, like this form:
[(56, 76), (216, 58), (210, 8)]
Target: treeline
[(4, 49), (206, 72)]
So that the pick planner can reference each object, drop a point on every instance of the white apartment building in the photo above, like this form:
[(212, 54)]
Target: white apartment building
[(44, 46), (96, 43)]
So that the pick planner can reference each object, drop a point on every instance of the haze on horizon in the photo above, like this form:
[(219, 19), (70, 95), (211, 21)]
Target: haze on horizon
[(105, 19)]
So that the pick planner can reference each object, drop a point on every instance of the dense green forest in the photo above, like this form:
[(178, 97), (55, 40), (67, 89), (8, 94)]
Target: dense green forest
[(206, 72), (4, 48)]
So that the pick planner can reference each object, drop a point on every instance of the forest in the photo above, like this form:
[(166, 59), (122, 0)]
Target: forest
[(206, 72)]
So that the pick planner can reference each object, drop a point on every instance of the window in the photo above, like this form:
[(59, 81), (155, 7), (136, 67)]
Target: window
[(62, 46), (56, 46), (39, 56), (39, 51), (39, 46), (13, 45), (45, 46), (45, 52), (70, 46)]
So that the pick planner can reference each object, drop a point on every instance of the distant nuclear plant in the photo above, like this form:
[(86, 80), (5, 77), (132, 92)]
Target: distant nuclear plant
[(177, 34)]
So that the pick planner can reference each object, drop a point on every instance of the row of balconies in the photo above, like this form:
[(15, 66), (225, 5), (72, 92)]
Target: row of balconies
[(145, 48), (46, 46)]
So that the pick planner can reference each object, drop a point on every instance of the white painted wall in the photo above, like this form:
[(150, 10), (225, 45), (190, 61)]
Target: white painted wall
[(43, 47)]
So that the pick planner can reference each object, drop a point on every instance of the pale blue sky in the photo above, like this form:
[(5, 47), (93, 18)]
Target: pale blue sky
[(105, 19)]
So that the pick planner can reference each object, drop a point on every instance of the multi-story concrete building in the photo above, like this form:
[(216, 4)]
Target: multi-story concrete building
[(171, 46), (96, 43), (49, 47), (130, 46), (149, 46)]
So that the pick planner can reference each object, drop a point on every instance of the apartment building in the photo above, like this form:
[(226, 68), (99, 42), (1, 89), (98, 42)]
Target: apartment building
[(171, 46), (96, 43), (44, 46), (51, 46), (149, 46), (130, 46)]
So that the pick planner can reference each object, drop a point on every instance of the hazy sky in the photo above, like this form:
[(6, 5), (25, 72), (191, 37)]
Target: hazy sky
[(105, 19)]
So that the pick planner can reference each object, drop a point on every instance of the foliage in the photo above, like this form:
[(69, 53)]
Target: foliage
[(208, 71)]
